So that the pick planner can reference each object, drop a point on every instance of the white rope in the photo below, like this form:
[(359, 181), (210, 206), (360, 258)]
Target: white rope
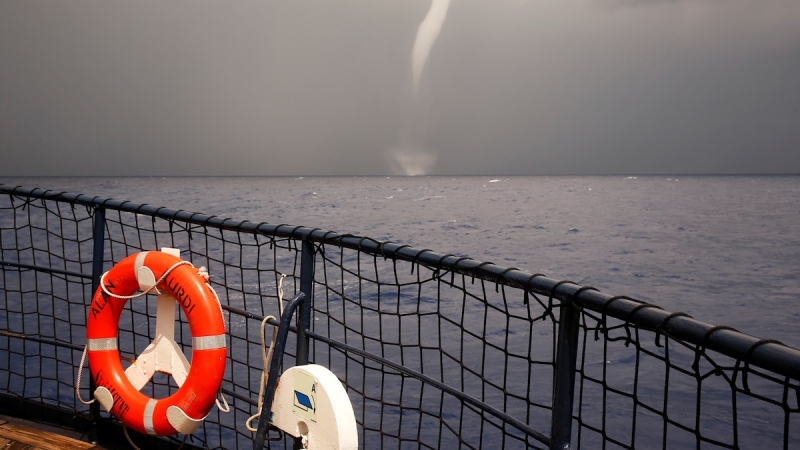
[(226, 408), (266, 357), (125, 431), (78, 381), (203, 273), (146, 291)]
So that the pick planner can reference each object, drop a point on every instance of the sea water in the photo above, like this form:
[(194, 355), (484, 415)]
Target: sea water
[(724, 249)]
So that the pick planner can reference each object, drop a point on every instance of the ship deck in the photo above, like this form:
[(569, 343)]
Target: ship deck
[(18, 434)]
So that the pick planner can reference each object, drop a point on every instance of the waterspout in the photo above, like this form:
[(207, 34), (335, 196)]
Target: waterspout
[(427, 33)]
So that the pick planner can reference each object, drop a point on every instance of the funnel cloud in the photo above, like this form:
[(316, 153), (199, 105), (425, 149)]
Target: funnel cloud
[(427, 33)]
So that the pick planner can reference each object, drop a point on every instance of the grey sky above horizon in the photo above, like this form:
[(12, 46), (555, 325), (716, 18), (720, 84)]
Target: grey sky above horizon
[(515, 87)]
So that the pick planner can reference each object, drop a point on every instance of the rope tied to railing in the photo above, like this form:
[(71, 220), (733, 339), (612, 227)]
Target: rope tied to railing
[(78, 380), (747, 357), (628, 322), (549, 308), (663, 323), (604, 317), (701, 348), (504, 276), (266, 356)]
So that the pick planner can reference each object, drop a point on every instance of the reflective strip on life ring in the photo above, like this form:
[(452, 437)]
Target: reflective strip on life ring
[(182, 411)]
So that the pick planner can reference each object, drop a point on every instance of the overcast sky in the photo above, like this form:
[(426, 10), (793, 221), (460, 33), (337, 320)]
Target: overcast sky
[(324, 87)]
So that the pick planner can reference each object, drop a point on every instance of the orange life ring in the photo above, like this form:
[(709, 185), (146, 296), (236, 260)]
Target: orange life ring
[(187, 407)]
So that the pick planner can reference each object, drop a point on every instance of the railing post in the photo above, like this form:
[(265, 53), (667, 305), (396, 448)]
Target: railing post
[(304, 314), (274, 368), (564, 376), (98, 253)]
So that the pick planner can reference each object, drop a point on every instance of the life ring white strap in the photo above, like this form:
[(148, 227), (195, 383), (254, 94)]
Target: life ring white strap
[(139, 263), (181, 422), (208, 342), (103, 395), (145, 276), (148, 416), (101, 344)]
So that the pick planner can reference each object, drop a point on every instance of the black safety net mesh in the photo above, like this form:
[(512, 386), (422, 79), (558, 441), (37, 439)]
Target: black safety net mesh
[(431, 355)]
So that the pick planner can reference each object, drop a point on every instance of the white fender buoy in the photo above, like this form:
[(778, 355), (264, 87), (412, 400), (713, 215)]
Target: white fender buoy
[(311, 403)]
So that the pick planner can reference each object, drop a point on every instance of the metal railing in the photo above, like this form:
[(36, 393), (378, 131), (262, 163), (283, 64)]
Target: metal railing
[(434, 350)]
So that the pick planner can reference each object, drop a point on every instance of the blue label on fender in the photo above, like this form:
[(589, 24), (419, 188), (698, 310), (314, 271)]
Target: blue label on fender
[(304, 402)]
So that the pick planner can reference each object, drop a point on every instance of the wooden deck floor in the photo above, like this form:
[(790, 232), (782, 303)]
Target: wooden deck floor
[(16, 436)]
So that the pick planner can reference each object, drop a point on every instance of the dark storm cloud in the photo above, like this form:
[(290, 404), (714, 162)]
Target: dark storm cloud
[(312, 87)]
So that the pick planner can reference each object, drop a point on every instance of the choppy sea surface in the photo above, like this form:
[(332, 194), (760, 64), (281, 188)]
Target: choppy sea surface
[(724, 249)]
